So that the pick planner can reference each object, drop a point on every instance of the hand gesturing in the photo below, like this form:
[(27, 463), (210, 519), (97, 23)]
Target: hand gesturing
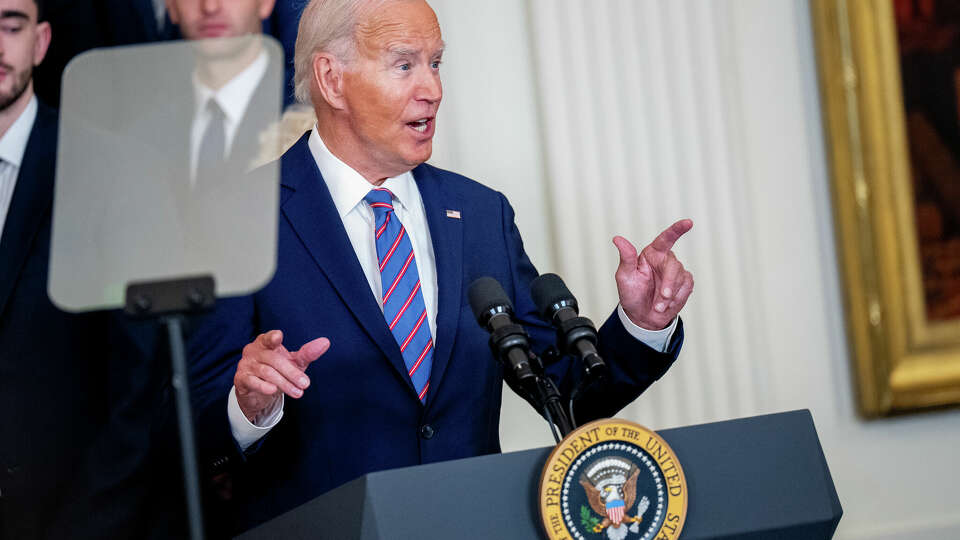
[(653, 285), (267, 370)]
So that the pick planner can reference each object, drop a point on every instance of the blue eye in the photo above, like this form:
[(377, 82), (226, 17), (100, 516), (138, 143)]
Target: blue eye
[(435, 65), (405, 67)]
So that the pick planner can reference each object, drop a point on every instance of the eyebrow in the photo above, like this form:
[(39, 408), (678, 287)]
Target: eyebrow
[(401, 51), (13, 14), (404, 51)]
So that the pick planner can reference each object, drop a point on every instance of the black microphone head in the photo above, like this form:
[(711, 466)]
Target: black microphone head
[(487, 298), (550, 294)]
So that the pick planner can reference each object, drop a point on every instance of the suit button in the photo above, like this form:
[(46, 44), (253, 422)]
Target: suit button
[(427, 431)]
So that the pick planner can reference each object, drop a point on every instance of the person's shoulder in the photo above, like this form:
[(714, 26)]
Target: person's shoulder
[(455, 182), (43, 133), (47, 116)]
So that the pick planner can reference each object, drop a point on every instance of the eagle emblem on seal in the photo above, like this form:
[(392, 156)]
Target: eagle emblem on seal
[(611, 488)]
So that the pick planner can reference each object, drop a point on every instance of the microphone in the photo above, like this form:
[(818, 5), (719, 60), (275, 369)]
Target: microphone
[(508, 340), (575, 334)]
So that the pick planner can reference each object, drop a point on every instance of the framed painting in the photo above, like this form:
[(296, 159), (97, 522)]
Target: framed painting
[(890, 87)]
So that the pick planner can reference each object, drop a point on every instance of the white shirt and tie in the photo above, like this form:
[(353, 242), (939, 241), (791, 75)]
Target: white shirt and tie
[(13, 145), (348, 188), (233, 99)]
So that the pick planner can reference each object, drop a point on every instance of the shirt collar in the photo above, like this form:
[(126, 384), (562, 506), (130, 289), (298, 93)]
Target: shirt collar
[(13, 143), (233, 97), (347, 186)]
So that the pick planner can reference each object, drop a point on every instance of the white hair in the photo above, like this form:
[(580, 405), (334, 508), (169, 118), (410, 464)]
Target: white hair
[(325, 26)]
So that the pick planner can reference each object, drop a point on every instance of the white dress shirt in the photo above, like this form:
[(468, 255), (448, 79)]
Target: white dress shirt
[(13, 144), (233, 99), (348, 188)]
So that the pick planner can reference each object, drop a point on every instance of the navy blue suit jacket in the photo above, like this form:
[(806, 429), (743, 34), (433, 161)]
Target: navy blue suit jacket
[(32, 465), (361, 413), (75, 438)]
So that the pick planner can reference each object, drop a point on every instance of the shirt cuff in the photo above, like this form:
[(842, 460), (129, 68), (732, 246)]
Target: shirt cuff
[(657, 340), (245, 432)]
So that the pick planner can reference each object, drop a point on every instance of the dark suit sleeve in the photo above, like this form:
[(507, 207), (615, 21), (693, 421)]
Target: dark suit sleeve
[(214, 349), (128, 482), (632, 364), (131, 477)]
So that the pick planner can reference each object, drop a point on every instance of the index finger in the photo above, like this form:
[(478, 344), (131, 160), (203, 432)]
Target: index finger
[(664, 241)]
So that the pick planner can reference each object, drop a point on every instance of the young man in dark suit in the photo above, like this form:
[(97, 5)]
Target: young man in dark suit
[(81, 25), (35, 460), (80, 401)]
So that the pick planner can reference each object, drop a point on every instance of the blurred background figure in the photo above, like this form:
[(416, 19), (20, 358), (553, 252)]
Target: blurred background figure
[(81, 25), (74, 437)]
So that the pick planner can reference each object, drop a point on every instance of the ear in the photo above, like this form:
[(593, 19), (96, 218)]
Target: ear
[(41, 42), (266, 9), (328, 74)]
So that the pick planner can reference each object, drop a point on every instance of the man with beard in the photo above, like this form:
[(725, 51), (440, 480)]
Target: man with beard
[(79, 399), (35, 460)]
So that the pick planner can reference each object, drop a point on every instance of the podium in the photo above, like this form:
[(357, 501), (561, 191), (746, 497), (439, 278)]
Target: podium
[(751, 478)]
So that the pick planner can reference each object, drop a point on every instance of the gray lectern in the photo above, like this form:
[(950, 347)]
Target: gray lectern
[(752, 478)]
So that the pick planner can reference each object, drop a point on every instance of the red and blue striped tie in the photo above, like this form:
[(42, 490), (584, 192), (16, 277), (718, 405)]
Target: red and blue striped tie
[(403, 305)]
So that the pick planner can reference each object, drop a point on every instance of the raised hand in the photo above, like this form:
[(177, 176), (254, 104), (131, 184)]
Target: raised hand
[(653, 285), (267, 370)]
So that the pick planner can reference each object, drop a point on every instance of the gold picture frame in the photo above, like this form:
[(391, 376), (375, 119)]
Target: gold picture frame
[(902, 360)]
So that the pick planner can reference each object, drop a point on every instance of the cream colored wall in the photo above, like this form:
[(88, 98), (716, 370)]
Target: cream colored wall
[(608, 117)]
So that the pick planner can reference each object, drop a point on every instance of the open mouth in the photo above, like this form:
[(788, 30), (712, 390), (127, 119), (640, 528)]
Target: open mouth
[(421, 125)]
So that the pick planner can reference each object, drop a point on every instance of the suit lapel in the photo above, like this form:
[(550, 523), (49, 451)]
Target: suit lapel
[(314, 218), (260, 115), (32, 199), (447, 235)]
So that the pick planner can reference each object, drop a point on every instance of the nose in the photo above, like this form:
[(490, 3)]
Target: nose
[(430, 88), (210, 6)]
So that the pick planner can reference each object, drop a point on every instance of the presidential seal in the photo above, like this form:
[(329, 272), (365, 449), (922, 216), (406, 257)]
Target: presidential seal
[(613, 479)]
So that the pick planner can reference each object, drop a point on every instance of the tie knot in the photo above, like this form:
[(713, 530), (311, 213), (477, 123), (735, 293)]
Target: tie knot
[(380, 199), (214, 109)]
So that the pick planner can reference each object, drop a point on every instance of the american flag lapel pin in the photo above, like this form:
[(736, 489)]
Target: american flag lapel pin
[(453, 214)]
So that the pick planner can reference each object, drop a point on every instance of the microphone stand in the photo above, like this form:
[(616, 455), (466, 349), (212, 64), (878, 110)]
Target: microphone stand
[(543, 392), (510, 345), (552, 406)]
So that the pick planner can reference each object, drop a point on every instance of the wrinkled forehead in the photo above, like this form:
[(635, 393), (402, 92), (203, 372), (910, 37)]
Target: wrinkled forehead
[(399, 25)]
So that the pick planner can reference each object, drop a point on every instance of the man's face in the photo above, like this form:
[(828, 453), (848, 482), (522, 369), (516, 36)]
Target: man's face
[(392, 88), (204, 19), (23, 44)]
